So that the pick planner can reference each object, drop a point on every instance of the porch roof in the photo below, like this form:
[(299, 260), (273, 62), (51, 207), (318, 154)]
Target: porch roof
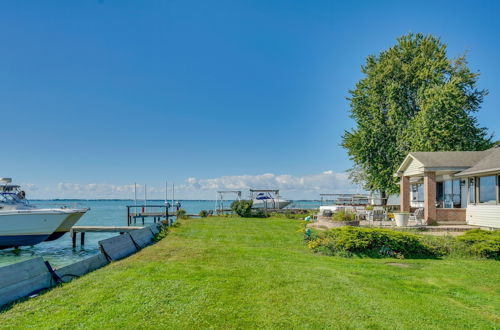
[(446, 161), (489, 164)]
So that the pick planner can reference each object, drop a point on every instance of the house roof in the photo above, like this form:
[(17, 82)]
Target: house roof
[(457, 160), (490, 163)]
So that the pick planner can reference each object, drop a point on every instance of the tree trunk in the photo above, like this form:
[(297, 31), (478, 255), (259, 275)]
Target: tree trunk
[(383, 197)]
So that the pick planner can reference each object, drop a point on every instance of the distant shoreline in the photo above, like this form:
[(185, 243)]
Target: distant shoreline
[(152, 200)]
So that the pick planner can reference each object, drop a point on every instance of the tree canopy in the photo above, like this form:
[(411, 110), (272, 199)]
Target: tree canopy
[(412, 97)]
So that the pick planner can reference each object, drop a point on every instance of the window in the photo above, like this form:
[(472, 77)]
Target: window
[(456, 196), (449, 194), (488, 190), (472, 191), (440, 193), (417, 192)]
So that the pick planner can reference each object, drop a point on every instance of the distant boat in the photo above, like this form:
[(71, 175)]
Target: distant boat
[(265, 199), (23, 224)]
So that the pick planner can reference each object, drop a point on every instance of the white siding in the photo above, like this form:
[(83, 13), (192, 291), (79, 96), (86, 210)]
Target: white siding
[(414, 168), (483, 215)]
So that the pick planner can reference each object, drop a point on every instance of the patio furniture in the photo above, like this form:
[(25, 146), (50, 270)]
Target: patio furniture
[(418, 216), (376, 215), (361, 213)]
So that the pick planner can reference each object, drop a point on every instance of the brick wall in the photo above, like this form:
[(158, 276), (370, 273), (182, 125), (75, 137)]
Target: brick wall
[(450, 215)]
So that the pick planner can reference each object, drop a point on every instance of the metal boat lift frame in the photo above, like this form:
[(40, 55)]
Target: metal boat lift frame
[(351, 196), (274, 197), (219, 201)]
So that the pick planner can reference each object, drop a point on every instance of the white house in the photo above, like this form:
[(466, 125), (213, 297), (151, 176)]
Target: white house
[(453, 187)]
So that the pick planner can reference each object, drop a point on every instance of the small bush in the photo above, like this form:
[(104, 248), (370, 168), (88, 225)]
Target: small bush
[(343, 215), (372, 242), (162, 233), (376, 242), (203, 213), (258, 213), (242, 208), (181, 214), (482, 243)]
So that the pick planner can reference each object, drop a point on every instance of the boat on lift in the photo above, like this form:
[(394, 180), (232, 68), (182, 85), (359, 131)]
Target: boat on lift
[(267, 199), (23, 224)]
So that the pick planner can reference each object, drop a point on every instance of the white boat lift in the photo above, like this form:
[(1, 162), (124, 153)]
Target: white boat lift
[(219, 201)]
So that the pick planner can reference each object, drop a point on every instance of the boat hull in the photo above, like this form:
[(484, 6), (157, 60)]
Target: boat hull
[(270, 203), (21, 240), (67, 224), (20, 228)]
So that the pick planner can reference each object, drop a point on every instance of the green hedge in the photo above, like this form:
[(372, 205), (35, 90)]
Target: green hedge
[(482, 243), (377, 243)]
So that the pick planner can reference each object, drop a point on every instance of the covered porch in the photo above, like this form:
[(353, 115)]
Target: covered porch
[(442, 197), (427, 181)]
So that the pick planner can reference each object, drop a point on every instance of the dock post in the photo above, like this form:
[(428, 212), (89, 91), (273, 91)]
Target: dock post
[(82, 238), (73, 238), (128, 215)]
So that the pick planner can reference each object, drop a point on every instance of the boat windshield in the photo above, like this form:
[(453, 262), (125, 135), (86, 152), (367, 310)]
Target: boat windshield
[(12, 195), (263, 196)]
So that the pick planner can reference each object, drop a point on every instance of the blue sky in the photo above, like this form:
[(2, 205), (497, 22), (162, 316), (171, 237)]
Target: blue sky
[(95, 95)]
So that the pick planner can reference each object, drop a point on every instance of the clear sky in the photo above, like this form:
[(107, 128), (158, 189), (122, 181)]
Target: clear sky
[(96, 95)]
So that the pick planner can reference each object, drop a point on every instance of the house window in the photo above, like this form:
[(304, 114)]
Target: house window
[(440, 194), (449, 194), (456, 197), (472, 191), (488, 190)]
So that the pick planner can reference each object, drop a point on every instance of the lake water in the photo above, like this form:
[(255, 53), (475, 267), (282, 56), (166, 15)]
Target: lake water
[(102, 213)]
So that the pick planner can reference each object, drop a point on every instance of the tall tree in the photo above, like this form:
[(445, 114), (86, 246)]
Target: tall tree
[(412, 98)]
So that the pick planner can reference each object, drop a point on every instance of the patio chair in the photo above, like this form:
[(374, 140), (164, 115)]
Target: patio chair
[(361, 213), (376, 215), (418, 216)]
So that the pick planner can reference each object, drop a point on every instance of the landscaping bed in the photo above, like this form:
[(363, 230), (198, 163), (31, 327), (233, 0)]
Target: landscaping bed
[(378, 242)]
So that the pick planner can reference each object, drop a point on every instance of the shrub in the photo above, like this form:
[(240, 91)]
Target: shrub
[(376, 242), (242, 208), (343, 215), (482, 243), (203, 213), (258, 213), (163, 232), (372, 242), (181, 214)]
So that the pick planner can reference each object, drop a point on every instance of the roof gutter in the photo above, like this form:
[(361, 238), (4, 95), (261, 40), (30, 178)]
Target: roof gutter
[(488, 171)]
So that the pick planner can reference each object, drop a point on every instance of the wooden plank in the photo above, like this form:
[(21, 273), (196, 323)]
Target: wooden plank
[(69, 272), (109, 229), (142, 237), (23, 278), (118, 247)]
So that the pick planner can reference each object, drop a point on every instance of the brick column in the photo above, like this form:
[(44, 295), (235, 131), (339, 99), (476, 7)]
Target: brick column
[(404, 194), (429, 197)]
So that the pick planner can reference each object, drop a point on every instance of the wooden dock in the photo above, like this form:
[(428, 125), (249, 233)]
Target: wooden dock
[(98, 229)]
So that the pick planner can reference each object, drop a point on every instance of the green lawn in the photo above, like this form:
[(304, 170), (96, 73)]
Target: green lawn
[(257, 273)]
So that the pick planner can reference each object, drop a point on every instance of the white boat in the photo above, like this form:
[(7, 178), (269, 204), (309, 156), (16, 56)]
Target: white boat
[(24, 224), (268, 199)]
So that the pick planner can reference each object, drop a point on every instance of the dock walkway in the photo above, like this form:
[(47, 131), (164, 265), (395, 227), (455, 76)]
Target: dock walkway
[(98, 229)]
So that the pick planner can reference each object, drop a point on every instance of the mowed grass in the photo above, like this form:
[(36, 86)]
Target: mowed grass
[(257, 273)]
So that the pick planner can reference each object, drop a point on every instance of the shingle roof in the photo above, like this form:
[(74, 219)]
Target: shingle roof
[(490, 163), (450, 158)]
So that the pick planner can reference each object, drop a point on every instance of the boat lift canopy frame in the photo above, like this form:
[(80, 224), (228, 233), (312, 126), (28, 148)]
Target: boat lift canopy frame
[(353, 197), (219, 202)]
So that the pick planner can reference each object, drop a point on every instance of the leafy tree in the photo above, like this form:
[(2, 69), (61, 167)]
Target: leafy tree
[(412, 97)]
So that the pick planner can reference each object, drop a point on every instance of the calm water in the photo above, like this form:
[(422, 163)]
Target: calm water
[(102, 213)]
